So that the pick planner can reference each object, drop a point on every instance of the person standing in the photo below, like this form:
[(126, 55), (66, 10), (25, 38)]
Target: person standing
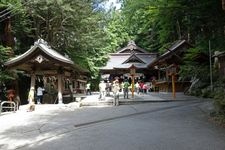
[(145, 88), (116, 90), (102, 90), (11, 94), (141, 84), (108, 88), (40, 91), (126, 85), (88, 88), (31, 103), (137, 87)]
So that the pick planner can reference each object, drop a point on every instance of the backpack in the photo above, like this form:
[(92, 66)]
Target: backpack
[(126, 85)]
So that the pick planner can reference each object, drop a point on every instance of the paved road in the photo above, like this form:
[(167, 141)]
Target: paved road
[(148, 126)]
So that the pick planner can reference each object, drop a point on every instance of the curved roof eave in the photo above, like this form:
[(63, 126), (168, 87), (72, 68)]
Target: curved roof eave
[(54, 54), (131, 46), (44, 48), (20, 57), (169, 51)]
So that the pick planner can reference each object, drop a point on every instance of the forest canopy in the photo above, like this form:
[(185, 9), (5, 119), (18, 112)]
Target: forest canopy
[(87, 32)]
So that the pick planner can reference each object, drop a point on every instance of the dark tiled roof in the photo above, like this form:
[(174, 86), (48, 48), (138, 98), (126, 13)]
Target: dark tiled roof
[(117, 61), (219, 54), (128, 56), (171, 51), (131, 47), (173, 47)]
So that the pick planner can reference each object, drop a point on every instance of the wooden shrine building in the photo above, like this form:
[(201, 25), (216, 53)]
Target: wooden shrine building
[(46, 66), (158, 70), (167, 66), (121, 62), (219, 62)]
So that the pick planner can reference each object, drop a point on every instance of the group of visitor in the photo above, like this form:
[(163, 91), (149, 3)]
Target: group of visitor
[(106, 88), (143, 87), (115, 87)]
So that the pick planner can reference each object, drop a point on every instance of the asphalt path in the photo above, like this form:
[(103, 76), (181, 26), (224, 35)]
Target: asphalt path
[(148, 126)]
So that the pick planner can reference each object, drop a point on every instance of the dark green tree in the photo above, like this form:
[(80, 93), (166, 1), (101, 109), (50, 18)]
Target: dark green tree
[(5, 75)]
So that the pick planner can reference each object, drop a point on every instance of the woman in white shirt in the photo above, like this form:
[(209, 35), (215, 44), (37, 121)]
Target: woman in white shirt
[(40, 91)]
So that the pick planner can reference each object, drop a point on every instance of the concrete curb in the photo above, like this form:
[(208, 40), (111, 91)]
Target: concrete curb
[(131, 102)]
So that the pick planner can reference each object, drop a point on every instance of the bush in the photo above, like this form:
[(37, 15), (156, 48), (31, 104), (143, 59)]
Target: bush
[(206, 93), (201, 89), (218, 118), (219, 100)]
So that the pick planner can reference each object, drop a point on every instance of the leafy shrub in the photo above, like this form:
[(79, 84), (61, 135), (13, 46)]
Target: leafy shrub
[(219, 100), (218, 118), (206, 93)]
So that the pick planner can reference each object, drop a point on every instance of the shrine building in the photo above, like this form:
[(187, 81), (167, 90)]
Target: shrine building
[(50, 69)]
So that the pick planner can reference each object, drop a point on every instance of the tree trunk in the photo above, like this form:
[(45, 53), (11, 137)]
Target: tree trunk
[(8, 37)]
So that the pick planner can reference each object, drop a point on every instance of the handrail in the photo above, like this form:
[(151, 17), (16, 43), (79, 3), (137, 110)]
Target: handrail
[(14, 105)]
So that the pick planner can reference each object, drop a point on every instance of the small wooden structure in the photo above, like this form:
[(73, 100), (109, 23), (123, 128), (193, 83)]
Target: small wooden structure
[(219, 62), (172, 56), (41, 61)]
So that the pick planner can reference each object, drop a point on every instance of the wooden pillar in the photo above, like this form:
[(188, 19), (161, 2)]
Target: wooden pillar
[(32, 83), (132, 90), (132, 72), (159, 75), (60, 99), (9, 39), (173, 86)]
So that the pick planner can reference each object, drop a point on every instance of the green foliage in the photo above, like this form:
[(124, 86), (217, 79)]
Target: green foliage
[(218, 118), (219, 100), (219, 95), (4, 74), (154, 24), (3, 54), (142, 23), (74, 27), (87, 33), (194, 68), (20, 23), (117, 34)]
